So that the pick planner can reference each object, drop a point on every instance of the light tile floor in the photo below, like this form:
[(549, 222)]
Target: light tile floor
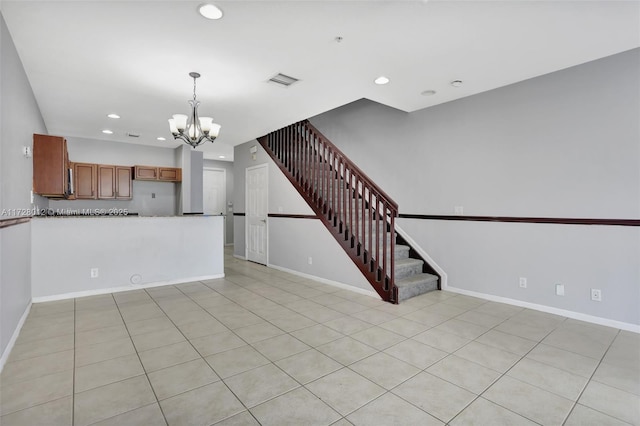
[(265, 347)]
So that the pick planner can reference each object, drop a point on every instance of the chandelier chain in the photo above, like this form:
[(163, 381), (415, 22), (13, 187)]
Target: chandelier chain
[(194, 88)]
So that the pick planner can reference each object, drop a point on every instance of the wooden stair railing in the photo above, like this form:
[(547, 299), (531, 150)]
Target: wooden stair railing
[(359, 214)]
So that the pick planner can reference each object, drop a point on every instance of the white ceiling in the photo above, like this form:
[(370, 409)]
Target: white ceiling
[(86, 59)]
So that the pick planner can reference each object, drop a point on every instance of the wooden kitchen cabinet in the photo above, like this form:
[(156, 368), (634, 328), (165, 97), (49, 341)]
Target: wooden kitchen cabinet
[(106, 182), (85, 177), (114, 182), (124, 183), (51, 175), (146, 173), (165, 174), (170, 174)]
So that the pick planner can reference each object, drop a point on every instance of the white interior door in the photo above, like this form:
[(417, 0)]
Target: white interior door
[(257, 197), (214, 184)]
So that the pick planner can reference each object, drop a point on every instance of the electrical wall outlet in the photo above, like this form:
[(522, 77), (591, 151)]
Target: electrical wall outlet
[(523, 282), (94, 272), (458, 210), (596, 295), (310, 260), (559, 289)]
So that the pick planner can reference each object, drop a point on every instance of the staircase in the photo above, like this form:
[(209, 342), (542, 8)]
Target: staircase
[(359, 215)]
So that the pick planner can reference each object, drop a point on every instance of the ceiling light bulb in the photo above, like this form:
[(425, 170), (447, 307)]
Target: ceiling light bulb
[(160, 138), (107, 132), (210, 11), (381, 80), (221, 156), (113, 116), (456, 83), (428, 93)]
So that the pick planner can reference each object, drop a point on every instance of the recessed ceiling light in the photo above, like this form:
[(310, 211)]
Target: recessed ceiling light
[(428, 93), (160, 138), (113, 116), (221, 156), (456, 83), (210, 11), (381, 80), (107, 132)]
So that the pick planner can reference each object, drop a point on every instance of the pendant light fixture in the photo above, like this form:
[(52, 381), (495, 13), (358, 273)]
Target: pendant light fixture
[(191, 129)]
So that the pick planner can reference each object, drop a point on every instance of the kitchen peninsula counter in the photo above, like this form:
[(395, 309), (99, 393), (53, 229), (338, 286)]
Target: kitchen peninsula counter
[(128, 251)]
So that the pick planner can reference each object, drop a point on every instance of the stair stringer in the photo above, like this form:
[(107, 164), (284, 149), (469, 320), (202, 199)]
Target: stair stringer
[(414, 245)]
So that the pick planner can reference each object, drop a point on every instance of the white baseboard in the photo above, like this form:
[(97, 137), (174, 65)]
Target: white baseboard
[(237, 256), (343, 286), (14, 337), (548, 309), (122, 288)]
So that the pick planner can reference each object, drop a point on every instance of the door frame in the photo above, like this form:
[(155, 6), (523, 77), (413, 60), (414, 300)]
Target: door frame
[(225, 213), (246, 219), (224, 171)]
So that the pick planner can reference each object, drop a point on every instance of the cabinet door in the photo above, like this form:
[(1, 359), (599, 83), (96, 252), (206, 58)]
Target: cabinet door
[(123, 183), (85, 177), (50, 166), (146, 173), (171, 174), (106, 182)]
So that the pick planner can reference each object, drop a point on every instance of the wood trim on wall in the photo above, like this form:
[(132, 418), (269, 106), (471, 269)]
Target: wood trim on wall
[(505, 219), (287, 216), (5, 223), (294, 216), (552, 220)]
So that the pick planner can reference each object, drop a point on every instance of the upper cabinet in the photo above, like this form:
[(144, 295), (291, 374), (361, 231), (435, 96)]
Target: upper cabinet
[(124, 181), (170, 174), (85, 181), (165, 174), (146, 173), (51, 174), (102, 182), (55, 177)]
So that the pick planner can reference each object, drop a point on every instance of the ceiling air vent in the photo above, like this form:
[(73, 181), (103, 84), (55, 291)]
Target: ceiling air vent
[(283, 80)]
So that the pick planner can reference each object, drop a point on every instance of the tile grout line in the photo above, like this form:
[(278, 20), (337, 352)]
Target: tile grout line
[(589, 381), (301, 385), (199, 354), (73, 380), (141, 364), (203, 358)]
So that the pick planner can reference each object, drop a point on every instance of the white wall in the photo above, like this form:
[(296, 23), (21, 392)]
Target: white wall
[(19, 118), (565, 144), (158, 250)]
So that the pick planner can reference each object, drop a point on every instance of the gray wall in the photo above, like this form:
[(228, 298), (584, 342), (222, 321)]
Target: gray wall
[(190, 194), (19, 118), (228, 166), (291, 241), (149, 198), (566, 144)]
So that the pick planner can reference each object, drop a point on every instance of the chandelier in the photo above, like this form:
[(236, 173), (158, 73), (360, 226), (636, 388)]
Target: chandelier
[(191, 129)]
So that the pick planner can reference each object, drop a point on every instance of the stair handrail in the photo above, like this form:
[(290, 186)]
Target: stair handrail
[(352, 165), (314, 164)]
